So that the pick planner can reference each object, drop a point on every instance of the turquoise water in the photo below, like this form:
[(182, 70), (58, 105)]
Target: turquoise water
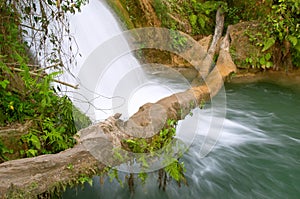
[(257, 155)]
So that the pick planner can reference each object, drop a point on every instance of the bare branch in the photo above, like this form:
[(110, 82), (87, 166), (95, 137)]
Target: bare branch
[(43, 75)]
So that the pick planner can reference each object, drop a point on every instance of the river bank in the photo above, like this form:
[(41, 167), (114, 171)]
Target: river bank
[(281, 78)]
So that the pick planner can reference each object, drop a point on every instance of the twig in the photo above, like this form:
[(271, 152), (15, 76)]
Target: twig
[(32, 28), (40, 75), (18, 64), (47, 67)]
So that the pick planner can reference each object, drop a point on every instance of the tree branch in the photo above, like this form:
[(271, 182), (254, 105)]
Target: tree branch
[(43, 75)]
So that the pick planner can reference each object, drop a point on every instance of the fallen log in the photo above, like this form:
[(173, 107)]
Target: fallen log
[(30, 177)]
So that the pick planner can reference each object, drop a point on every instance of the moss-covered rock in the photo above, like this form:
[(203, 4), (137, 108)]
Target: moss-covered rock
[(246, 46)]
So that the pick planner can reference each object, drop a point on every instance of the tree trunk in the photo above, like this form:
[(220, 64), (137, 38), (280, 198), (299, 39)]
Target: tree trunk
[(208, 60), (29, 177), (282, 56), (149, 12)]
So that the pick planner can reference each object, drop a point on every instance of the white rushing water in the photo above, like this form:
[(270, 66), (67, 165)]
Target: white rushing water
[(116, 83), (122, 86)]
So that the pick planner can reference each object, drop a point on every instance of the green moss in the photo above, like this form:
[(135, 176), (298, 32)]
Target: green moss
[(119, 8)]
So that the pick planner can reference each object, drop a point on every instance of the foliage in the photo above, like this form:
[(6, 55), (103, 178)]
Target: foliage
[(277, 37), (202, 15), (263, 62), (162, 13), (158, 141), (151, 147), (199, 15), (26, 91), (143, 177), (174, 169), (113, 174), (246, 10), (124, 14), (53, 127), (282, 26), (84, 178), (45, 26), (282, 22)]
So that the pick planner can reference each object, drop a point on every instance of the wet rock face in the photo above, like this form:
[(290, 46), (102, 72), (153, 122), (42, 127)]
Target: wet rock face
[(243, 42)]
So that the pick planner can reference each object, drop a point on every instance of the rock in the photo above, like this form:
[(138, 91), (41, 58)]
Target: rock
[(241, 47), (205, 42)]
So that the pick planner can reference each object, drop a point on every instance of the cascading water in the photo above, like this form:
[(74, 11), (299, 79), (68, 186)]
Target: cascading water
[(91, 28), (118, 84), (257, 155)]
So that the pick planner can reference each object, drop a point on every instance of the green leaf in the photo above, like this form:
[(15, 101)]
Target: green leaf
[(293, 40), (193, 20), (262, 61), (269, 64), (268, 44), (4, 83), (297, 47), (35, 141), (249, 60), (31, 152), (143, 161), (268, 56), (201, 22), (173, 170), (143, 176)]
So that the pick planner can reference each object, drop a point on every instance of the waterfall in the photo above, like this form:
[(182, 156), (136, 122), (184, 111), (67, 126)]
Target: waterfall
[(122, 86), (114, 82), (93, 26)]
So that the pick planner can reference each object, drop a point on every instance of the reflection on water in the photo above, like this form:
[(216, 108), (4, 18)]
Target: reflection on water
[(257, 156)]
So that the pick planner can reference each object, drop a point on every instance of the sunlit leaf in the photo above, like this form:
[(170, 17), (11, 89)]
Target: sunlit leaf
[(268, 44)]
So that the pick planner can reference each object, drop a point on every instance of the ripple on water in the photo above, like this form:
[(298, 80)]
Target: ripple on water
[(256, 156)]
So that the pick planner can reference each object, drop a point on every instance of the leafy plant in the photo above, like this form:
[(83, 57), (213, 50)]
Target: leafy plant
[(202, 15), (113, 174), (163, 138), (198, 14), (268, 43), (282, 28), (27, 92), (85, 179), (174, 170), (263, 62)]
